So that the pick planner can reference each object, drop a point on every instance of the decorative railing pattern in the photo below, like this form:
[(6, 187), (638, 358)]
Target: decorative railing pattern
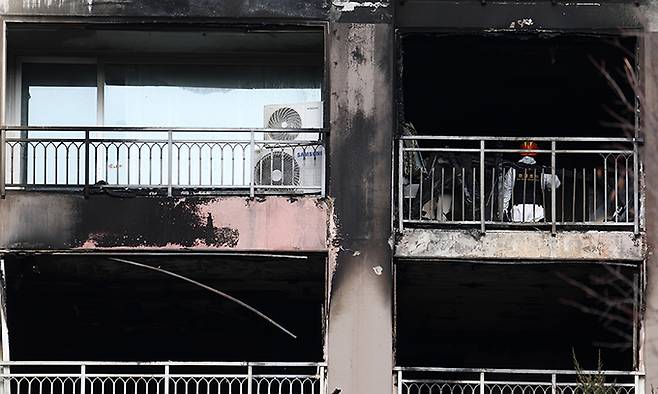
[(513, 381), (492, 181), (236, 161), (162, 378)]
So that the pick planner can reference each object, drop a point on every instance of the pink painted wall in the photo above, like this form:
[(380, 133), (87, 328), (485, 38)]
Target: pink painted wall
[(277, 223)]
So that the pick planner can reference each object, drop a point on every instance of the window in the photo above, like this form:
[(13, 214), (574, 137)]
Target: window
[(202, 95), (153, 95)]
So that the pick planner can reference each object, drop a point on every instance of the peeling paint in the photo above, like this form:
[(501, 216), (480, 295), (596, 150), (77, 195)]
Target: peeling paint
[(348, 6), (378, 270), (521, 23), (58, 4), (220, 236), (43, 3), (333, 242)]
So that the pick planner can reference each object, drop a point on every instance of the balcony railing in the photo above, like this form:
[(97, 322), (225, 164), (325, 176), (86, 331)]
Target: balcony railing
[(493, 182), (514, 381), (44, 377), (238, 161)]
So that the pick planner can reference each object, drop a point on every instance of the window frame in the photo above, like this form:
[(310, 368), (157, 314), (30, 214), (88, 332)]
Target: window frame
[(16, 81)]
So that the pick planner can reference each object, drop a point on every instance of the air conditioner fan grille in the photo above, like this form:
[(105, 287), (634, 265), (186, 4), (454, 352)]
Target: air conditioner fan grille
[(277, 168), (284, 118)]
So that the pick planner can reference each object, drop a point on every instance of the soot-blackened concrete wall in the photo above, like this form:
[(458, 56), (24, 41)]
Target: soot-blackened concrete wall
[(360, 324)]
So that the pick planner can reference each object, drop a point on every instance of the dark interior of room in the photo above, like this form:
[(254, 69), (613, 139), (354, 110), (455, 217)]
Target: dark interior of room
[(92, 308), (463, 315), (515, 84)]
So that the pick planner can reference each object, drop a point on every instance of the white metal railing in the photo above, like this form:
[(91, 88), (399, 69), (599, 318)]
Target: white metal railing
[(492, 181), (415, 380), (240, 161), (48, 377)]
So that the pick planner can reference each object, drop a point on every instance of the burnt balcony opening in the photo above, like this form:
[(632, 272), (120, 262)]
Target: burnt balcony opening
[(516, 85), (512, 130), (91, 308), (532, 316)]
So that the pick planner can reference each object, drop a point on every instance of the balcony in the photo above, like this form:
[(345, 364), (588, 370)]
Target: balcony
[(472, 182), (168, 161), (411, 380), (42, 377), (450, 186)]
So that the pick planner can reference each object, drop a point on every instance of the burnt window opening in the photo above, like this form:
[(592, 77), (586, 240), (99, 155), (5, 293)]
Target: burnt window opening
[(462, 315), (91, 308), (515, 85)]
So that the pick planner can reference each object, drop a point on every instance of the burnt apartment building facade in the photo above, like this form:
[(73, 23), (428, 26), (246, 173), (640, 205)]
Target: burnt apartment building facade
[(328, 196)]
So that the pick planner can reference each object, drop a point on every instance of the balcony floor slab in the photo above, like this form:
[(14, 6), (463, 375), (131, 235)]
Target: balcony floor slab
[(520, 245)]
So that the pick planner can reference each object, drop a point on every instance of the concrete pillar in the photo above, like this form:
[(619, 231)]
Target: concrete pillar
[(4, 332), (360, 357), (649, 342), (4, 343)]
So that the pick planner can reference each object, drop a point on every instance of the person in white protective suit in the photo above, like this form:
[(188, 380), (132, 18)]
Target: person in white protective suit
[(524, 186)]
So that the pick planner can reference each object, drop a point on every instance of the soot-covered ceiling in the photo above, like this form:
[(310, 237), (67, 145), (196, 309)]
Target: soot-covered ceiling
[(93, 308)]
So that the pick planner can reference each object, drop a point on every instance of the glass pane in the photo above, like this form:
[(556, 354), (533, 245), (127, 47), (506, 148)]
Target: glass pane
[(195, 107), (62, 106), (56, 95), (59, 94), (202, 95)]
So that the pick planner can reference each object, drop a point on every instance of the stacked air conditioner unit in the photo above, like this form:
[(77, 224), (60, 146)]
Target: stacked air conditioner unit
[(294, 159)]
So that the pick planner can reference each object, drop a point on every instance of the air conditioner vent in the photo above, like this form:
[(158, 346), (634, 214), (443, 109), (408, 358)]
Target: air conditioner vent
[(277, 168)]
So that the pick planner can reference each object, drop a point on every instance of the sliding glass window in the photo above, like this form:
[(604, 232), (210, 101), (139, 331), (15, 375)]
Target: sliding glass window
[(161, 95)]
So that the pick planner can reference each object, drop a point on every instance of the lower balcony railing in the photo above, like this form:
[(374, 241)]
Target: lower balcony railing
[(238, 161), (43, 377), (515, 182), (515, 381)]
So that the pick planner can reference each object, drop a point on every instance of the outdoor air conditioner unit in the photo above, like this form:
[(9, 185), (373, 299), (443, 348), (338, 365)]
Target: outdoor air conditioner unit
[(293, 116), (292, 159)]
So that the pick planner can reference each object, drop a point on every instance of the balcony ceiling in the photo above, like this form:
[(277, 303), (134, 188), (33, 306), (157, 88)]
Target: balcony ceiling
[(27, 39), (89, 307), (524, 315)]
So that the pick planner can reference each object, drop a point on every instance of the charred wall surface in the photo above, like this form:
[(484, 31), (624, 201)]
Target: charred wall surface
[(521, 16), (47, 221), (172, 8), (231, 10), (359, 338), (650, 345)]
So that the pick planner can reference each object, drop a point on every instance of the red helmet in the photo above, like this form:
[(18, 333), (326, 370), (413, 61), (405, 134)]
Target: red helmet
[(529, 146)]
